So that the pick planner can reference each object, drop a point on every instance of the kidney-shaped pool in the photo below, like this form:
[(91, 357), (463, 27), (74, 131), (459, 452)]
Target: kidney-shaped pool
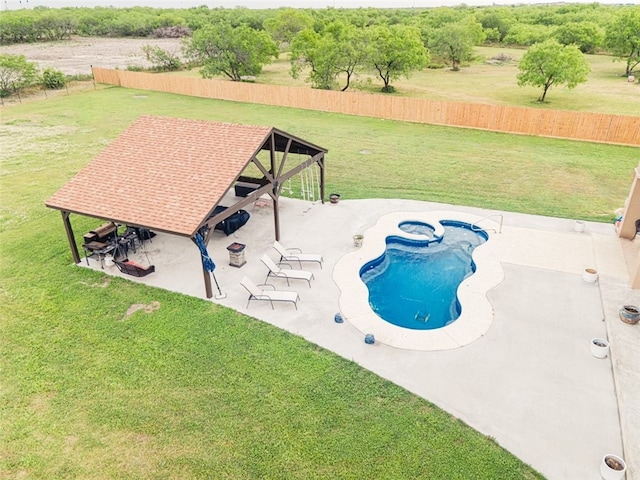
[(414, 283), (420, 280)]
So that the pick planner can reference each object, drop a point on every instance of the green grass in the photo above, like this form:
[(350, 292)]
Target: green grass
[(193, 390)]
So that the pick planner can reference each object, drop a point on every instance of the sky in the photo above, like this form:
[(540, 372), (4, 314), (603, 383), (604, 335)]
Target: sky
[(262, 4)]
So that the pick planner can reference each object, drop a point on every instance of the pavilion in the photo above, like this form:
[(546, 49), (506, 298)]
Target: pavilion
[(169, 175)]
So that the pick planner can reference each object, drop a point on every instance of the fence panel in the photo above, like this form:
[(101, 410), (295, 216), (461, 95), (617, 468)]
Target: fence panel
[(593, 127)]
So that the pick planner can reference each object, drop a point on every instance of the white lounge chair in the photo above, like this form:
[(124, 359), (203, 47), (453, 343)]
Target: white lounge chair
[(296, 255), (276, 271), (258, 293)]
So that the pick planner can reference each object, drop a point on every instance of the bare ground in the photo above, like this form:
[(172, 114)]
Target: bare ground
[(76, 56)]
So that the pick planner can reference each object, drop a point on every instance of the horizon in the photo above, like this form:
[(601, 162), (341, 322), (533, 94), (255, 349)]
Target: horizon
[(307, 4)]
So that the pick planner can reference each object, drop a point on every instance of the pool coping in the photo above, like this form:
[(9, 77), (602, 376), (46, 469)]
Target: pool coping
[(477, 312)]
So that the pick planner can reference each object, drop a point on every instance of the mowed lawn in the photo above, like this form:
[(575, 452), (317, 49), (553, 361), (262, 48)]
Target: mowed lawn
[(189, 389)]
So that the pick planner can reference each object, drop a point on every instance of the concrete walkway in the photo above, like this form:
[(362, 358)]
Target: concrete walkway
[(530, 382)]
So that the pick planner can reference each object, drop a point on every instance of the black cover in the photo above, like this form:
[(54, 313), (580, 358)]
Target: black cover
[(233, 223)]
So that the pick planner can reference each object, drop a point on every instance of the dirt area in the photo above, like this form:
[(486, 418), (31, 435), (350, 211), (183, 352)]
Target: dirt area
[(76, 56)]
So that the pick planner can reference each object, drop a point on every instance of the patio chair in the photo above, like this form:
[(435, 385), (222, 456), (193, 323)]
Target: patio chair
[(276, 271), (258, 293), (296, 255)]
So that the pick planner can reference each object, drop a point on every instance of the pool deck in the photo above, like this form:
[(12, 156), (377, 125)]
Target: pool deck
[(530, 381)]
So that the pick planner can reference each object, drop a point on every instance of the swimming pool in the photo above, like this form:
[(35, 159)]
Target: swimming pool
[(414, 283), (409, 229)]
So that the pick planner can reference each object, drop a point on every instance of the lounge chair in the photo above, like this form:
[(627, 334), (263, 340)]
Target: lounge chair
[(296, 255), (258, 293), (276, 271)]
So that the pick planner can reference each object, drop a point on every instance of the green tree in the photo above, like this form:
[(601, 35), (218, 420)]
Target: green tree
[(549, 63), (587, 36), (286, 24), (16, 73), (234, 52), (131, 23), (340, 49), (55, 25), (18, 27), (623, 38), (395, 52), (497, 19), (53, 79), (310, 50), (162, 60), (526, 35), (455, 42)]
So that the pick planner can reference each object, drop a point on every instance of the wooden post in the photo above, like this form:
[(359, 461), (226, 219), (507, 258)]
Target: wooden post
[(276, 217), (321, 164), (70, 236), (207, 283)]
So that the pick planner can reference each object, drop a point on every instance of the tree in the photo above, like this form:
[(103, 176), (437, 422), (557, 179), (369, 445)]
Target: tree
[(53, 25), (340, 49), (587, 36), (162, 60), (286, 23), (526, 35), (231, 51), (497, 19), (550, 63), (16, 73), (455, 42), (623, 38), (395, 52)]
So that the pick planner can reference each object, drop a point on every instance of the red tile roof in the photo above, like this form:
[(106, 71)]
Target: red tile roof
[(162, 173)]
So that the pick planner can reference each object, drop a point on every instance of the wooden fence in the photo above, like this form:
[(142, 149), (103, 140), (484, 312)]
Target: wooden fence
[(592, 127)]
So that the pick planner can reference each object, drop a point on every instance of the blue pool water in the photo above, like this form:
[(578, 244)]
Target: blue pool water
[(414, 283)]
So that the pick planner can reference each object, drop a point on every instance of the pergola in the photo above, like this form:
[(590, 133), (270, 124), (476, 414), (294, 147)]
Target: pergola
[(169, 175)]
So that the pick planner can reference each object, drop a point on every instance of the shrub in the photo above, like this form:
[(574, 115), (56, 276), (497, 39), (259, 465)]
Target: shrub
[(53, 79), (16, 73), (171, 32), (162, 60)]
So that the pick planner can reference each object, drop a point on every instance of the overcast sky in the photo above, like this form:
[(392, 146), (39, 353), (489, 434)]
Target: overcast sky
[(14, 4)]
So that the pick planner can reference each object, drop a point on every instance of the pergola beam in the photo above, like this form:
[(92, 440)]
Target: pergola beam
[(70, 236)]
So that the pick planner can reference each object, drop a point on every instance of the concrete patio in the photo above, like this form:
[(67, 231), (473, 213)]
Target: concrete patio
[(530, 382)]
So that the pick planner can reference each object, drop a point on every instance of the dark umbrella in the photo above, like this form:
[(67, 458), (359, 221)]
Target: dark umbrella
[(207, 262)]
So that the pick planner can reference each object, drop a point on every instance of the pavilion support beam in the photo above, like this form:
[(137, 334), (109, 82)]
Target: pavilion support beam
[(207, 283), (70, 237), (276, 217), (321, 164), (275, 193)]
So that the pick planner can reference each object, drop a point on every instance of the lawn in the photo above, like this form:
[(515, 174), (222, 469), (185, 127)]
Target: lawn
[(194, 390)]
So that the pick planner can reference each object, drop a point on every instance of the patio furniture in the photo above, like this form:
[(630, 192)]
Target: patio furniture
[(296, 255), (258, 293), (100, 242), (232, 223), (97, 248), (276, 271), (132, 268), (103, 234)]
